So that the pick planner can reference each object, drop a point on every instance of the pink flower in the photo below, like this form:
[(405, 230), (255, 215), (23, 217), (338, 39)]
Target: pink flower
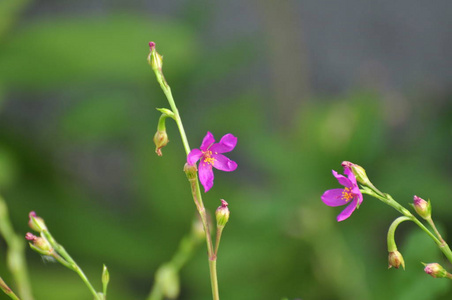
[(350, 194), (210, 156)]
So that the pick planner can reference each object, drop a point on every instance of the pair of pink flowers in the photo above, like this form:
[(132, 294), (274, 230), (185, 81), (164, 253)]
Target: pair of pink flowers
[(210, 155)]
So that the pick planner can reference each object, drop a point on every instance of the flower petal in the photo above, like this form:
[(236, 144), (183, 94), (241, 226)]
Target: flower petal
[(333, 197), (223, 163), (342, 179), (226, 144), (347, 212), (350, 176), (205, 176), (194, 156), (207, 141)]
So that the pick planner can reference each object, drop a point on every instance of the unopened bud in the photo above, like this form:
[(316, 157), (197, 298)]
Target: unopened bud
[(168, 280), (395, 259), (190, 171), (36, 223), (435, 270), (160, 141), (39, 244), (105, 277), (222, 214), (154, 59), (358, 171), (422, 207)]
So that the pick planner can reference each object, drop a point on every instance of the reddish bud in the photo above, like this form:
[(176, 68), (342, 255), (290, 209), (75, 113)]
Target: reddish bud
[(435, 270), (36, 223), (422, 207), (222, 214), (395, 259)]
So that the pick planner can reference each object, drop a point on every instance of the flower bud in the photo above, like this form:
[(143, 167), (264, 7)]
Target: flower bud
[(36, 223), (422, 207), (358, 171), (39, 244), (160, 141), (395, 259), (435, 270), (105, 277), (168, 281), (222, 214), (154, 59)]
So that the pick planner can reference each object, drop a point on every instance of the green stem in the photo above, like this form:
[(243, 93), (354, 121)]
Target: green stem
[(213, 278), (68, 262), (432, 224), (169, 96), (6, 289), (391, 233), (217, 241), (15, 254)]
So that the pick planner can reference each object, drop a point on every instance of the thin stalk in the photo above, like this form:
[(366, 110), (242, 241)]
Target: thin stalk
[(7, 290), (213, 278), (432, 224), (69, 262), (217, 241), (15, 254)]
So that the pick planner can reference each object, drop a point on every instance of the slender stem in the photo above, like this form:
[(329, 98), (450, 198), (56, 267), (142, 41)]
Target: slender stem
[(69, 262), (169, 96), (217, 241), (432, 224), (7, 290), (15, 254), (213, 277), (391, 232)]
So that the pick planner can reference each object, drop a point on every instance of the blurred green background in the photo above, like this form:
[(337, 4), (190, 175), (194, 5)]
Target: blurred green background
[(304, 85)]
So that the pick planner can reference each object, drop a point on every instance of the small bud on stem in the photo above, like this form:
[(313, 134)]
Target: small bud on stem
[(39, 244), (160, 141), (436, 271), (222, 214), (395, 259), (36, 223), (422, 207), (358, 171)]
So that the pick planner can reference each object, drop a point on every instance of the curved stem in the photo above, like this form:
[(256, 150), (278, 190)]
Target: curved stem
[(391, 233), (386, 198)]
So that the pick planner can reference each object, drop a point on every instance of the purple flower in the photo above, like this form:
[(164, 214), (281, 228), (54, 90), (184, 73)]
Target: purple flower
[(210, 156), (349, 194)]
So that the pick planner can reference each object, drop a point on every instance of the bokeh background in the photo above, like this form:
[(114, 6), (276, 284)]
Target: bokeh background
[(304, 85)]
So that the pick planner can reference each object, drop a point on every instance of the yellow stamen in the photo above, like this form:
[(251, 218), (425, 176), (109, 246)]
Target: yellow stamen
[(347, 194), (207, 157)]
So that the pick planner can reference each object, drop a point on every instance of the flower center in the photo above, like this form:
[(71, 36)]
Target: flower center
[(207, 157), (347, 194)]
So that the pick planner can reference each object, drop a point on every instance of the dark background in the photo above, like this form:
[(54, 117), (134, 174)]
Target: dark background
[(304, 85)]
